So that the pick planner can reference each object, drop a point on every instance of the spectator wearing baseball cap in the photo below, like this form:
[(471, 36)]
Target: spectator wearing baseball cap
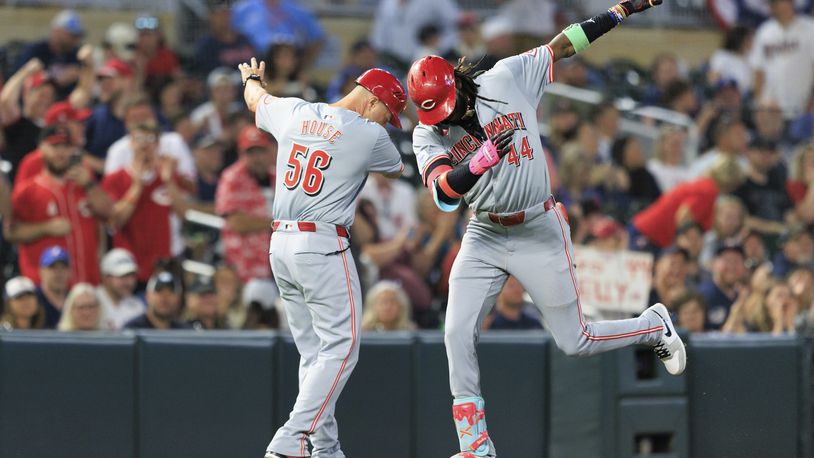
[(162, 65), (22, 310), (796, 250), (116, 90), (60, 113), (163, 304), (244, 198), (719, 292), (55, 281), (209, 118), (58, 52), (764, 191), (260, 305), (221, 46), (208, 154), (63, 206), (116, 293), (24, 99), (144, 195), (202, 304)]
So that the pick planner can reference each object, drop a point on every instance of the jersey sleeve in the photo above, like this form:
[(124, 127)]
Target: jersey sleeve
[(532, 71), (385, 158), (429, 152), (273, 114)]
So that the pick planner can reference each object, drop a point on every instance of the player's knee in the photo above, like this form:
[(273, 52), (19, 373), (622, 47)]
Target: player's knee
[(456, 336), (572, 345)]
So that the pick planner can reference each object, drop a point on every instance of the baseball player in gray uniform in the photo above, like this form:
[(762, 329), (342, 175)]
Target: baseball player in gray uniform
[(325, 154), (478, 140)]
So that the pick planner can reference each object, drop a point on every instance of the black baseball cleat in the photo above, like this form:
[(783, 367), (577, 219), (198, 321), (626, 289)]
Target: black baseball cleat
[(275, 455), (670, 348)]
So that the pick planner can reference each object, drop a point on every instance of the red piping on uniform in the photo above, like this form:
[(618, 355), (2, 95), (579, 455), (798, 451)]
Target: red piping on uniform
[(352, 345), (579, 306), (551, 64)]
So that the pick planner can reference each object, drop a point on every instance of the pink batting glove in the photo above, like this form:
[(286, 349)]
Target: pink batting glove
[(484, 159)]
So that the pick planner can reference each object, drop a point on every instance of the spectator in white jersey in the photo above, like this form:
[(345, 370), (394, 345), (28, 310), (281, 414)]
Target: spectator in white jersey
[(783, 59)]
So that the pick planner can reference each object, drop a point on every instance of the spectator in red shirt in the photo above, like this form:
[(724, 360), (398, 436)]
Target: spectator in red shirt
[(144, 194), (654, 227), (59, 113), (801, 185), (244, 197), (156, 62), (60, 206)]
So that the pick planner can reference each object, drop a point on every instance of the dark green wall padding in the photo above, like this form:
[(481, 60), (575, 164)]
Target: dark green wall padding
[(223, 394)]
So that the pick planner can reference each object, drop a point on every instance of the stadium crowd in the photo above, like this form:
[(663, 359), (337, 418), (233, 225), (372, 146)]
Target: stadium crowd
[(121, 151)]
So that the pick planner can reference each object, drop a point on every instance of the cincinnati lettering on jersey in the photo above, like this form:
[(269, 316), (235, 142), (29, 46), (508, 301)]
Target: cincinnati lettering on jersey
[(320, 129), (469, 144), (503, 122)]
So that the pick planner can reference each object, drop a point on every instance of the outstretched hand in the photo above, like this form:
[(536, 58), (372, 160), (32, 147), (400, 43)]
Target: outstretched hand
[(252, 68)]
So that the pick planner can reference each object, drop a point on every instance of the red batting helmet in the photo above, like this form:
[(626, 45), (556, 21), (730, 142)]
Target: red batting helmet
[(431, 83), (387, 89)]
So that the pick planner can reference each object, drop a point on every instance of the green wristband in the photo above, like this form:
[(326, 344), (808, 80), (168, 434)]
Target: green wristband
[(577, 36)]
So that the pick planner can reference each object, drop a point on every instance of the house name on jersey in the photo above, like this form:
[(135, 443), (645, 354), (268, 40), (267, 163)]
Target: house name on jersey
[(320, 129), (469, 144)]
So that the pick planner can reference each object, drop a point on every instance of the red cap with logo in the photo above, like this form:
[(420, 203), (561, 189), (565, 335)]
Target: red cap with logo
[(431, 83), (251, 137), (113, 68), (63, 112), (387, 89)]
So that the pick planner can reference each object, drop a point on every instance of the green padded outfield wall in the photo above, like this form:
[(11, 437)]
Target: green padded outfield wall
[(223, 394)]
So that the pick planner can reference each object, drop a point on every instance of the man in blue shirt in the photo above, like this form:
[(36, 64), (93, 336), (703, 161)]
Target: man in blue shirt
[(222, 46), (58, 52), (728, 274), (263, 20), (511, 309)]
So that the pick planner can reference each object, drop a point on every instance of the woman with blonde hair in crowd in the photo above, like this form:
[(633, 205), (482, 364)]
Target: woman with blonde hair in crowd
[(767, 306), (22, 310), (801, 185), (387, 308), (82, 311)]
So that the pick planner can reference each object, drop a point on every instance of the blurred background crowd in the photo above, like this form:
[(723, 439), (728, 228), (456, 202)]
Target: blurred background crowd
[(137, 193)]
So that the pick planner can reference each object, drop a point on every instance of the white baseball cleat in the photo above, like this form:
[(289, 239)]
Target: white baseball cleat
[(670, 348)]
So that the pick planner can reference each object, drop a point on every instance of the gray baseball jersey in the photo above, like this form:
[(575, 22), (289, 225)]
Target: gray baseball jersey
[(521, 179), (323, 158), (537, 249), (325, 154)]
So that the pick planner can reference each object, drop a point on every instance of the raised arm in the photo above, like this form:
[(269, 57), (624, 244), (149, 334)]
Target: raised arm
[(252, 75), (577, 37), (10, 110)]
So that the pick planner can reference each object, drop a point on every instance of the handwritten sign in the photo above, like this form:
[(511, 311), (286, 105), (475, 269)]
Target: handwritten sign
[(616, 281)]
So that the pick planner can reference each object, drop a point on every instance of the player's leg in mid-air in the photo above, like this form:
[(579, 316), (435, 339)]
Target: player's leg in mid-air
[(475, 281), (543, 261), (325, 329)]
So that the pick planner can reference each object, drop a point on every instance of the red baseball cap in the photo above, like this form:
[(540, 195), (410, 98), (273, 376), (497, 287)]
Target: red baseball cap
[(606, 227), (36, 80), (251, 137), (114, 67), (63, 112), (56, 135)]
